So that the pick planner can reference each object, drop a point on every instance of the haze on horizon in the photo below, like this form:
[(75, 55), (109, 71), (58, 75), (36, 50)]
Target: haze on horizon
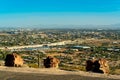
[(65, 12)]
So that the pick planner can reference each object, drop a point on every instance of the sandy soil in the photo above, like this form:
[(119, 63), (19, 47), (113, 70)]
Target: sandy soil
[(11, 73)]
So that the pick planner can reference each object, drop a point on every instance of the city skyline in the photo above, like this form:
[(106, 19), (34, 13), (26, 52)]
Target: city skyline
[(63, 12)]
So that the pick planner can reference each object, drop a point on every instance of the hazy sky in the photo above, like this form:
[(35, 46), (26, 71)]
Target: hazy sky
[(34, 12)]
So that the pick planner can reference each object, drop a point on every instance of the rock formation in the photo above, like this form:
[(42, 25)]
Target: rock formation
[(99, 66), (51, 62), (13, 60)]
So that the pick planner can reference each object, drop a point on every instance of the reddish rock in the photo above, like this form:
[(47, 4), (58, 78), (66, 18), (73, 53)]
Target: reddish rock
[(13, 60), (99, 66), (51, 62)]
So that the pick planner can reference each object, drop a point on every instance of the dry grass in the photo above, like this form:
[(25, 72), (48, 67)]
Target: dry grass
[(72, 68), (33, 65), (116, 72)]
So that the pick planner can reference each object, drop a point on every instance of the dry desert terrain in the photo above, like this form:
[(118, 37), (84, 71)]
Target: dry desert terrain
[(12, 73)]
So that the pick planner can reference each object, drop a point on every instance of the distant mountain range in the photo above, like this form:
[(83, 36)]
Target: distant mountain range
[(56, 26)]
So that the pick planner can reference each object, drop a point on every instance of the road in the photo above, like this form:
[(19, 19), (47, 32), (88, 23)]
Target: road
[(34, 46)]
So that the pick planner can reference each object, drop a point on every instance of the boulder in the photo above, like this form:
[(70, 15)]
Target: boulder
[(104, 65), (89, 65), (51, 62), (13, 60), (99, 66)]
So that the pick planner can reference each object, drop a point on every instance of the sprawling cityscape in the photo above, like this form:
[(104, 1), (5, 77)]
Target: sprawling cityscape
[(71, 46), (59, 39)]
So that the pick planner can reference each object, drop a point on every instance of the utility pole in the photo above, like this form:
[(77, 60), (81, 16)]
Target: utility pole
[(38, 60)]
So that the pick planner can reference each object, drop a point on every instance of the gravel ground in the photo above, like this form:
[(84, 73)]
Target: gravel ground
[(4, 75), (7, 73)]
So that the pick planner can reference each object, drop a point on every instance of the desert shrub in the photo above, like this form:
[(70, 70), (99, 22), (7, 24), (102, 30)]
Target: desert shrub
[(33, 65), (115, 71), (72, 67)]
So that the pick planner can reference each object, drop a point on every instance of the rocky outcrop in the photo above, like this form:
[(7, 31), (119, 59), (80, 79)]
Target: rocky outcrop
[(51, 62), (13, 60), (99, 66)]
